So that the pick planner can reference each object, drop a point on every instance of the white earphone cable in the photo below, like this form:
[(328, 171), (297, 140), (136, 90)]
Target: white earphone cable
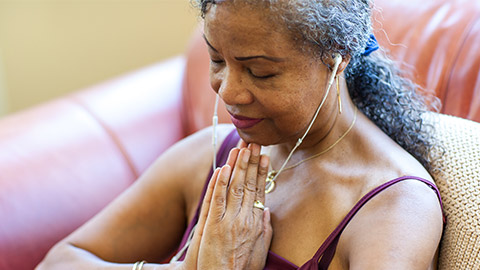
[(338, 61), (214, 132), (214, 145)]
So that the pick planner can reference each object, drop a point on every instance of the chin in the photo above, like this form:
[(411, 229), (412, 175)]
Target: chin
[(254, 137)]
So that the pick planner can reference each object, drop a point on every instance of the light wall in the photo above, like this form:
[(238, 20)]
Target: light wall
[(49, 48), (3, 91)]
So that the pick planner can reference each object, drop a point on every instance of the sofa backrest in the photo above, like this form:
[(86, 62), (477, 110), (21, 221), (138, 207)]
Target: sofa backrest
[(63, 161), (437, 39)]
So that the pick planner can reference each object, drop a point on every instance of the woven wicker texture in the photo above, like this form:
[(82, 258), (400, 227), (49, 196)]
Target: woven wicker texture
[(458, 179)]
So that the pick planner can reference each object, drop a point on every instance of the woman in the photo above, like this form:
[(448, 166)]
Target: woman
[(292, 75)]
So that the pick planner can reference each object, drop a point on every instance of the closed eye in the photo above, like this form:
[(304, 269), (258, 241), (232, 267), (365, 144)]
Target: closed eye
[(260, 77), (216, 61)]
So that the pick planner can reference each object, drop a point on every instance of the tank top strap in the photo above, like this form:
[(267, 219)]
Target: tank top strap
[(328, 248), (222, 154)]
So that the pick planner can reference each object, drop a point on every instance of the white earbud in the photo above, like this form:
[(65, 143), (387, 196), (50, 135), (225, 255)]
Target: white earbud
[(338, 60)]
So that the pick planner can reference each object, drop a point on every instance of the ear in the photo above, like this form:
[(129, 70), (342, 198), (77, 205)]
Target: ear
[(344, 64), (330, 62)]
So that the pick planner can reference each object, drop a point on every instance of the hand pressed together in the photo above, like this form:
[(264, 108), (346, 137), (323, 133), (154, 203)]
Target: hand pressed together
[(231, 233)]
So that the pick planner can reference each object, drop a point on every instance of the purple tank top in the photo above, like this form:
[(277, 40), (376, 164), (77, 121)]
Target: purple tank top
[(324, 255)]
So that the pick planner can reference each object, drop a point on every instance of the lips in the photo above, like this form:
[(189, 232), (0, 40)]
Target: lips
[(243, 122)]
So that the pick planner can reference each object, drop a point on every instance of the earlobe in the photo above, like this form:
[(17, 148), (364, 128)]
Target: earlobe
[(337, 59), (340, 67), (343, 65)]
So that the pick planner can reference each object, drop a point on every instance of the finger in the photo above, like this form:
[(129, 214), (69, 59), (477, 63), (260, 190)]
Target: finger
[(219, 196), (237, 183), (261, 177), (232, 157), (219, 192), (207, 200), (250, 192), (197, 236), (267, 228)]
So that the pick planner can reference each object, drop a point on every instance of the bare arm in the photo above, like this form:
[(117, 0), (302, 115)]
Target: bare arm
[(398, 229), (77, 258), (148, 220)]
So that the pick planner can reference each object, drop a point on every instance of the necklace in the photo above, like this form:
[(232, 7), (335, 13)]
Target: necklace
[(273, 174)]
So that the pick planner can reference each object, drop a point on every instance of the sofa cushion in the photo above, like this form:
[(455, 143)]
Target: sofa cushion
[(457, 175), (53, 178)]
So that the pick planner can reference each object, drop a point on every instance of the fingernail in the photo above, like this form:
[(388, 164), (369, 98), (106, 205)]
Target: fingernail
[(226, 170)]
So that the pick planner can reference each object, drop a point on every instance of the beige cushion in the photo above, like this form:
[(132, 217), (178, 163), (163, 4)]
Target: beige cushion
[(457, 175)]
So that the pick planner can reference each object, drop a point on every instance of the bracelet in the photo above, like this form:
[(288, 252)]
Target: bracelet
[(138, 265)]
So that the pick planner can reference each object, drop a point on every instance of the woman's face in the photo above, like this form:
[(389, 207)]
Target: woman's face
[(270, 87)]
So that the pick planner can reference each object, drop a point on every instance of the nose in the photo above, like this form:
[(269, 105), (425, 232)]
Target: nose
[(231, 87)]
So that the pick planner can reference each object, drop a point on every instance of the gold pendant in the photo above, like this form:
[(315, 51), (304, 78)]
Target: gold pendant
[(269, 183)]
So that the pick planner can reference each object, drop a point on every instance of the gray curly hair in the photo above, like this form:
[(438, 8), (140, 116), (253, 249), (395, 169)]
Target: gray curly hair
[(375, 83)]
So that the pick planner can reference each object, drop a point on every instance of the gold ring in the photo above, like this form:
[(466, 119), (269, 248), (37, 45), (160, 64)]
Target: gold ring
[(258, 204)]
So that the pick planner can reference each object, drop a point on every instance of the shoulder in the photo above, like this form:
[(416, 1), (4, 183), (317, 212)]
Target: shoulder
[(182, 169), (203, 138), (191, 155), (199, 144), (187, 163), (399, 228)]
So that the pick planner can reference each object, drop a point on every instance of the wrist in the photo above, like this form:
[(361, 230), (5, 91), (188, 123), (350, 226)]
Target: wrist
[(170, 266)]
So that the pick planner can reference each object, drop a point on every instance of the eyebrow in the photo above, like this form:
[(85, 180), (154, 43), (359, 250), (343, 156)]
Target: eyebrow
[(208, 43), (273, 59), (246, 58)]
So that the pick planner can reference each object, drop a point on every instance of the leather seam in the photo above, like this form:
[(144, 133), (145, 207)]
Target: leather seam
[(456, 58), (185, 112), (110, 133)]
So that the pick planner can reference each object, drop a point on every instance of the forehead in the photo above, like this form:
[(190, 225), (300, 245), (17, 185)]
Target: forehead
[(246, 25)]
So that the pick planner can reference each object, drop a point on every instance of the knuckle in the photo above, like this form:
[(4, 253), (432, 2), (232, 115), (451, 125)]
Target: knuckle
[(259, 192), (219, 199), (237, 190), (223, 182), (251, 188), (262, 171), (243, 165), (254, 159)]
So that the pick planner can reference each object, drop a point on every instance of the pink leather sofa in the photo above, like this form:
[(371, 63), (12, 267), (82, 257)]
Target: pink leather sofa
[(63, 161)]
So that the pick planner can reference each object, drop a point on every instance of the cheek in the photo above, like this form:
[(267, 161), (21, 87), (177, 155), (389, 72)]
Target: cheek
[(305, 95), (295, 105)]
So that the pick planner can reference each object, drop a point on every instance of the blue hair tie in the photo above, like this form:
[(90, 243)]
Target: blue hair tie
[(372, 45)]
